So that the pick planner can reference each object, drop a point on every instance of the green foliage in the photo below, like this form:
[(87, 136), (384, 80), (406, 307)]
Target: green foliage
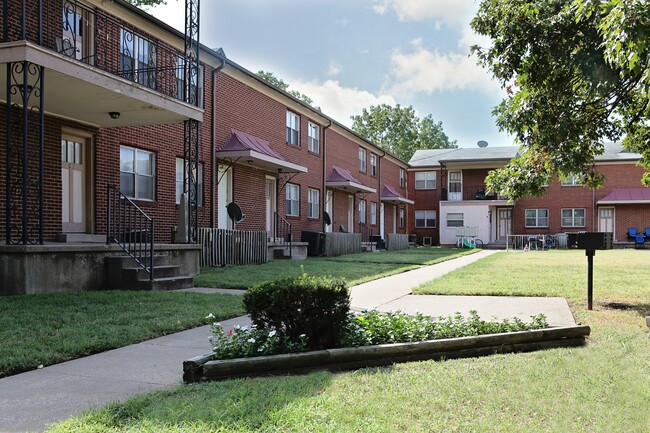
[(315, 307), (244, 342), (374, 327), (278, 82), (399, 131), (577, 73)]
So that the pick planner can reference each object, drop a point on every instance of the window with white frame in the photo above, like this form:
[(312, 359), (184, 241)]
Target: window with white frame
[(138, 59), (402, 218), (373, 165), (195, 80), (313, 201), (198, 177), (313, 144), (373, 213), (536, 217), (573, 180), (293, 128), (293, 200), (362, 211), (137, 173), (455, 220), (425, 218), (573, 217), (425, 180), (362, 159), (402, 177)]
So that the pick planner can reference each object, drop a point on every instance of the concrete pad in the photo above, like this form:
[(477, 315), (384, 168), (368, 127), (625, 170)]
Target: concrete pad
[(208, 290), (556, 310)]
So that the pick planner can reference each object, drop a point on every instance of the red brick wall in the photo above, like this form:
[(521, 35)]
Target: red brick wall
[(425, 199), (390, 170)]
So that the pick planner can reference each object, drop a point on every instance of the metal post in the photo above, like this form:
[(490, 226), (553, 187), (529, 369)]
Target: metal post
[(590, 278)]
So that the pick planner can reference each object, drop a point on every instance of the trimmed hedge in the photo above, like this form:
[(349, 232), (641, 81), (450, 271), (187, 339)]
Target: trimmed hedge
[(310, 307)]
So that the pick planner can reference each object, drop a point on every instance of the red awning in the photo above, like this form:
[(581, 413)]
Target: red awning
[(341, 178), (626, 196), (391, 195), (253, 151)]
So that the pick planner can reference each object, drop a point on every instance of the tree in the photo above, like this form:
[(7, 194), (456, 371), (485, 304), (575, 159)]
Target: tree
[(147, 2), (577, 73), (278, 82), (399, 131)]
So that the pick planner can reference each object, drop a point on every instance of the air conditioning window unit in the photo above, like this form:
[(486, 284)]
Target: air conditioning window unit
[(426, 241)]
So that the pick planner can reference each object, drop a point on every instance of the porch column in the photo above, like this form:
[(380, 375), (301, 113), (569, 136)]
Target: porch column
[(25, 120)]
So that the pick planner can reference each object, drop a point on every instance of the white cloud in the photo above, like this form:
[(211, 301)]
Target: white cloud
[(340, 102), (428, 71), (451, 12), (335, 68)]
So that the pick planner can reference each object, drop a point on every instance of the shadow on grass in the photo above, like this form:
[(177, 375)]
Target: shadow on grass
[(643, 309)]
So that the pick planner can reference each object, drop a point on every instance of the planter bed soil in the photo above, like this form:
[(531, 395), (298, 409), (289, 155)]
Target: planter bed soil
[(204, 368)]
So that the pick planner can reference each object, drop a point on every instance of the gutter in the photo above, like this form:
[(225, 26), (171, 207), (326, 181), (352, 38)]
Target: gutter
[(324, 195), (213, 138)]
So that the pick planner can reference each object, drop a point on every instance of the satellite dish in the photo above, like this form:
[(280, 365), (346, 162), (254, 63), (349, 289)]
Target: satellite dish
[(234, 212), (482, 143), (326, 218)]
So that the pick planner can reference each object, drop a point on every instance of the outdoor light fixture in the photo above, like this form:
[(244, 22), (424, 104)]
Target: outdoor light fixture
[(250, 162), (114, 114)]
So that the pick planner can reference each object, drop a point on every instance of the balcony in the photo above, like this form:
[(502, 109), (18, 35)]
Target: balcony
[(95, 64), (471, 193)]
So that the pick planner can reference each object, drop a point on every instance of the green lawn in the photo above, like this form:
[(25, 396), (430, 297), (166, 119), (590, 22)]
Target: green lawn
[(355, 268), (603, 387), (47, 329)]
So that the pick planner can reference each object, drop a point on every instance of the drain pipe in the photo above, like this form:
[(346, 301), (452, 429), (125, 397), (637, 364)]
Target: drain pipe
[(379, 189), (213, 132), (324, 195)]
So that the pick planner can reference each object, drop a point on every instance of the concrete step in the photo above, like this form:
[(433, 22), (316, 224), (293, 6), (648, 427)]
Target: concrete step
[(163, 271), (168, 283), (80, 238)]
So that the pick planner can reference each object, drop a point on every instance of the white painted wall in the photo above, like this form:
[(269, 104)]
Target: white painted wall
[(475, 215)]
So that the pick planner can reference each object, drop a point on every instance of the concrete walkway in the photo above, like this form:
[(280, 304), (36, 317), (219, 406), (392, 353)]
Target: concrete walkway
[(30, 401)]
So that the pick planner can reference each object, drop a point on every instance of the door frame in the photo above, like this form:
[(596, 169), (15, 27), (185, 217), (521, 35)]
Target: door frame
[(272, 182), (613, 208), (88, 183), (508, 223)]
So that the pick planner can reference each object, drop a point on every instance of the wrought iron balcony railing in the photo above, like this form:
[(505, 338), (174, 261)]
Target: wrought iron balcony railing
[(96, 38)]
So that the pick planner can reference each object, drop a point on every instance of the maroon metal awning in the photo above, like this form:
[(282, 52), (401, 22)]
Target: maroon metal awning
[(391, 195), (626, 196), (253, 151), (341, 178)]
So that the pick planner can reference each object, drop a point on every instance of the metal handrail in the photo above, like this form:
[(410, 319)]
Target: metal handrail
[(366, 232), (129, 227), (282, 231)]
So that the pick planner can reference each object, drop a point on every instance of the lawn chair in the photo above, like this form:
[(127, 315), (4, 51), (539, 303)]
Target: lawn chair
[(647, 234), (631, 234), (639, 241)]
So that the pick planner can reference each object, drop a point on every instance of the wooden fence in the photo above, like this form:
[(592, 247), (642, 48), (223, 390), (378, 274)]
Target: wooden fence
[(396, 241), (338, 244), (221, 247)]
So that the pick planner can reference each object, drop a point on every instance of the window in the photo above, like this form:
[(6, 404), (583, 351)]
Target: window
[(362, 211), (573, 217), (137, 173), (426, 218), (455, 220), (198, 178), (195, 80), (373, 165), (313, 132), (138, 59), (293, 200), (293, 128), (536, 217), (373, 213), (402, 177), (402, 218), (362, 159), (574, 180), (425, 180), (314, 203)]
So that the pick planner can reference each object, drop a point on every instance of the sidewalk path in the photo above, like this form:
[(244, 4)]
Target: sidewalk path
[(30, 401)]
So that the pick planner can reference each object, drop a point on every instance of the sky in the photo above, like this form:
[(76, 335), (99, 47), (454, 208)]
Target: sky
[(351, 54)]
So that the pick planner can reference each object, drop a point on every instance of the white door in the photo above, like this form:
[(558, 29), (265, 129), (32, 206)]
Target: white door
[(73, 194), (329, 207), (381, 220), (504, 224), (394, 219), (606, 219), (350, 226), (271, 202), (224, 196), (455, 185)]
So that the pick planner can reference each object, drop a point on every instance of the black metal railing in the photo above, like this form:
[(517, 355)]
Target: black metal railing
[(366, 232), (93, 37), (471, 192), (282, 232), (129, 227)]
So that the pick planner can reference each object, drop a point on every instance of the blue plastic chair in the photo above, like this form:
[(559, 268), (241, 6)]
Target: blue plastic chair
[(631, 234), (647, 233), (639, 241)]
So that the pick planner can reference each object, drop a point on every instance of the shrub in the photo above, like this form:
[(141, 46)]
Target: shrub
[(314, 306), (245, 342)]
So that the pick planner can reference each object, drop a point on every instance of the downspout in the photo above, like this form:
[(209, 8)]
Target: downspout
[(213, 151), (324, 195), (379, 189)]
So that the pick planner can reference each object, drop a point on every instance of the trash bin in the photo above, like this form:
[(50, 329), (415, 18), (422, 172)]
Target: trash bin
[(315, 242), (378, 241)]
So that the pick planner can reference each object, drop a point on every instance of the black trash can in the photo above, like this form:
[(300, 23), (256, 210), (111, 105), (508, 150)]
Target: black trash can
[(315, 242)]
